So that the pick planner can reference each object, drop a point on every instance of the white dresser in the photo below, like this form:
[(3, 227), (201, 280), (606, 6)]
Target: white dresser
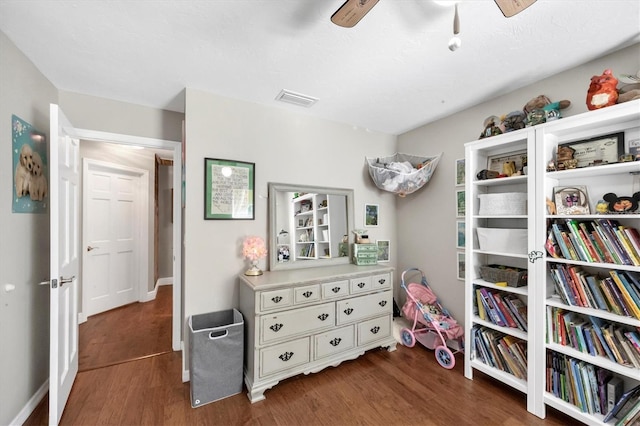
[(303, 320)]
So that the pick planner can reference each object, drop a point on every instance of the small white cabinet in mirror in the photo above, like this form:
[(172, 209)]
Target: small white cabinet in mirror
[(307, 225)]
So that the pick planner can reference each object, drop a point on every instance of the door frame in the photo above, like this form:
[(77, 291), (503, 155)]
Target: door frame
[(141, 202), (176, 147)]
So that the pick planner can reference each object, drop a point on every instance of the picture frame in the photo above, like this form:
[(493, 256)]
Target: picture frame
[(496, 162), (229, 189), (384, 250), (460, 171), (460, 203), (461, 266), (605, 149), (461, 236), (371, 215), (571, 200)]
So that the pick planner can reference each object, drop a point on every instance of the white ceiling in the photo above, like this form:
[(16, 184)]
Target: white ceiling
[(391, 73)]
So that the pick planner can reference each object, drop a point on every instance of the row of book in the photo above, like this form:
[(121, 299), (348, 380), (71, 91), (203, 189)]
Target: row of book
[(592, 335), (598, 240), (591, 389), (618, 293), (501, 351), (501, 308)]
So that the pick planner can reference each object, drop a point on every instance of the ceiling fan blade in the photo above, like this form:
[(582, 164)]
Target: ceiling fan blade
[(513, 7), (351, 12)]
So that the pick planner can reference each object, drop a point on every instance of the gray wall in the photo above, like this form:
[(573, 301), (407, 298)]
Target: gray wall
[(24, 243), (426, 221), (165, 222)]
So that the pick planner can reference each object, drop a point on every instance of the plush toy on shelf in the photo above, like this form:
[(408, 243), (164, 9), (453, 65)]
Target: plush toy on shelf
[(540, 109), (602, 91)]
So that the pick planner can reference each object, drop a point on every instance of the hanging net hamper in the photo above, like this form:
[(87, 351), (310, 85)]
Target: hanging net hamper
[(400, 173)]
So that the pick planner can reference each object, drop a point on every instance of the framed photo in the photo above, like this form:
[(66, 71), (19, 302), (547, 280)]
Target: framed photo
[(383, 250), (461, 266), (571, 200), (460, 203), (460, 172), (228, 189), (371, 215), (496, 162), (595, 151), (633, 146), (461, 237)]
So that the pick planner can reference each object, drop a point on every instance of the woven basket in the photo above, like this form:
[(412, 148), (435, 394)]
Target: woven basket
[(514, 277)]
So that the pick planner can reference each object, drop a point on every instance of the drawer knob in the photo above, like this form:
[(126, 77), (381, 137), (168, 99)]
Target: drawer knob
[(307, 294), (276, 327), (382, 303), (286, 356), (335, 289), (360, 285), (276, 299), (375, 329), (381, 281), (323, 317), (335, 342), (348, 311)]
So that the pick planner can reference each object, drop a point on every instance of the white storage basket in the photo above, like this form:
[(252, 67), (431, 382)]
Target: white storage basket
[(504, 203), (501, 240)]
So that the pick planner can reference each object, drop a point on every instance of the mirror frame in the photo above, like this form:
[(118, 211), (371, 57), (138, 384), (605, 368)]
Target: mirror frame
[(274, 187)]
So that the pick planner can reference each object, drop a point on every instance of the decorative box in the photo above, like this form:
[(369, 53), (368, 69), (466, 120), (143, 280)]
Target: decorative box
[(514, 277), (503, 240), (365, 254), (505, 203)]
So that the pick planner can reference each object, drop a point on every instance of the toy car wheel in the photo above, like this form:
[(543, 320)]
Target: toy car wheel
[(445, 357), (408, 339)]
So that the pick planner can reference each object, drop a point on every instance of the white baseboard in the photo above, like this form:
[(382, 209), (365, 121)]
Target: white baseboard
[(31, 405), (164, 281), (151, 295)]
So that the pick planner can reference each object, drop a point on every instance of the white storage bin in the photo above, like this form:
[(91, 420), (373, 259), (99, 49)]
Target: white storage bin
[(505, 203), (503, 240)]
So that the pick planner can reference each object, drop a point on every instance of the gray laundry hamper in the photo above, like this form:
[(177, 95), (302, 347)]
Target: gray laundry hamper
[(216, 354)]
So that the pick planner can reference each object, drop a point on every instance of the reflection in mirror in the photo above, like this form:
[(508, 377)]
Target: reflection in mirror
[(309, 226)]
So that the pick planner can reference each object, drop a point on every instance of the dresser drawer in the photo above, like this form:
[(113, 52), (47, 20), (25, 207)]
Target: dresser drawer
[(380, 282), (362, 307), (335, 289), (334, 341), (358, 285), (275, 299), (284, 356), (297, 321), (374, 329), (306, 294)]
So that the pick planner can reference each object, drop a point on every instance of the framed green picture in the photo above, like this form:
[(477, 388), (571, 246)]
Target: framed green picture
[(229, 189)]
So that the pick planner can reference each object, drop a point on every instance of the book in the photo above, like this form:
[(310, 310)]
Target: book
[(555, 227), (632, 418), (519, 309), (635, 293), (632, 307), (506, 313), (491, 309), (481, 312), (614, 393), (597, 328), (597, 292), (599, 243), (615, 291), (616, 398)]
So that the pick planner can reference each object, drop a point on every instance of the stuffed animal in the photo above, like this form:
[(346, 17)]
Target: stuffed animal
[(622, 204), (540, 109), (515, 120), (602, 91), (629, 92)]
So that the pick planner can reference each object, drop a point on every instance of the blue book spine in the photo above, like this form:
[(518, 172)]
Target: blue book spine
[(597, 293)]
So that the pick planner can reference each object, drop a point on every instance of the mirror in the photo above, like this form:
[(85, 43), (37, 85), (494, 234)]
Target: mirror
[(307, 225)]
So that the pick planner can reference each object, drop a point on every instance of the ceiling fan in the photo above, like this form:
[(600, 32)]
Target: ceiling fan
[(352, 11)]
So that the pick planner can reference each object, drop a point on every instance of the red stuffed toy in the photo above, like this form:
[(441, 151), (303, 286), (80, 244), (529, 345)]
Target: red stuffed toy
[(602, 91)]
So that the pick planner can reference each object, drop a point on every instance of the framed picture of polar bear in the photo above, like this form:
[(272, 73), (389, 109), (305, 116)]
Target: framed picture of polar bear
[(30, 172)]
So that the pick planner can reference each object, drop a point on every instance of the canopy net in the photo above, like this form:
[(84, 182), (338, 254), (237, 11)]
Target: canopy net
[(401, 173)]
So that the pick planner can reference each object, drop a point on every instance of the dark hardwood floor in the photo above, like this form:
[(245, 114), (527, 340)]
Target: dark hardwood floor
[(405, 387), (127, 333)]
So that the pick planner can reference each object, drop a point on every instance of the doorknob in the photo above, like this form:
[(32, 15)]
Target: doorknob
[(89, 248), (64, 280)]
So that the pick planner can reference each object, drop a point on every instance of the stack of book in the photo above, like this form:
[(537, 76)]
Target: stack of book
[(501, 351), (592, 389), (592, 335), (618, 293), (501, 308), (599, 240)]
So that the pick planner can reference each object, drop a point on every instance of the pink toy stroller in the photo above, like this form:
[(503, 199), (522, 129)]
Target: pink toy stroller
[(430, 321)]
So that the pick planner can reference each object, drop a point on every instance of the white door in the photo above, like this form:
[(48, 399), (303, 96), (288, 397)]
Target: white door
[(64, 193), (111, 265)]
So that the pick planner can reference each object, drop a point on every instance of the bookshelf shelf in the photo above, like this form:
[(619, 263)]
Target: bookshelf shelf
[(596, 263)]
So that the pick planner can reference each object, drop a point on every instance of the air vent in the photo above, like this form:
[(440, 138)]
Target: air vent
[(296, 98)]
